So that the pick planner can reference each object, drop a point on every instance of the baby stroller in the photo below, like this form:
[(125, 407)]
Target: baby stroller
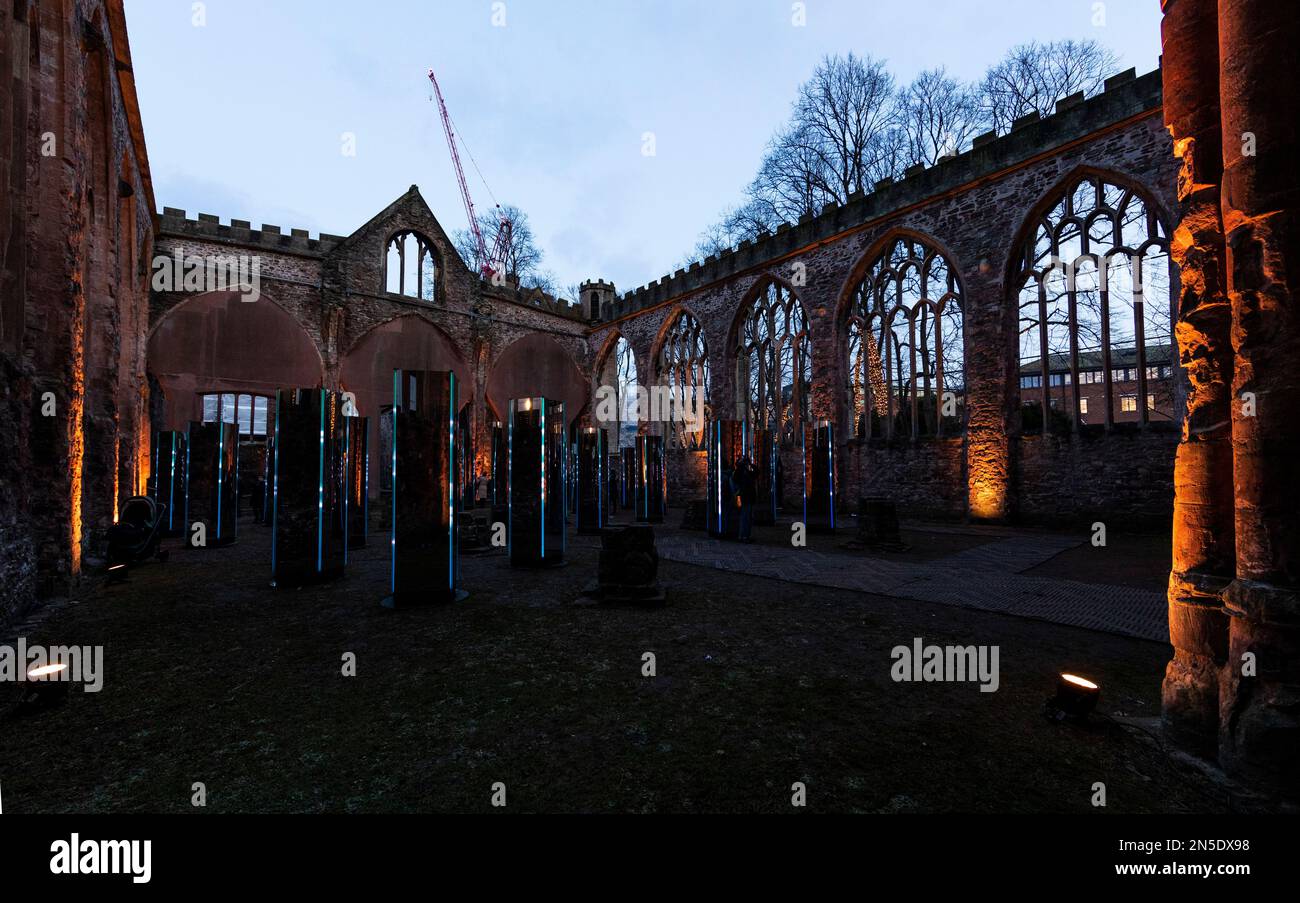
[(137, 534)]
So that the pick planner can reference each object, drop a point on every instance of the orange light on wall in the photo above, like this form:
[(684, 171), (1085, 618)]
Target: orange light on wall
[(986, 480)]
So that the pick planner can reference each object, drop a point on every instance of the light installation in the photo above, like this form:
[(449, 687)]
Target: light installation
[(356, 482), (819, 476), (728, 442), (651, 492), (425, 564), (308, 517), (590, 481), (627, 477), (538, 464), (212, 482), (500, 475), (764, 451), (168, 480)]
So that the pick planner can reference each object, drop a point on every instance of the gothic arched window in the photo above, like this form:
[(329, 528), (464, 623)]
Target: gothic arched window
[(618, 375), (774, 362), (907, 362), (684, 371), (1096, 335), (411, 267)]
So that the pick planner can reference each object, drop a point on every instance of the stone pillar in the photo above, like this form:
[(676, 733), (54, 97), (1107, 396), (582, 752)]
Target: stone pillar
[(1260, 707), (1202, 561), (990, 376)]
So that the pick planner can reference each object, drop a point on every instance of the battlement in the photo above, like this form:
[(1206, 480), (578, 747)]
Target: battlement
[(1125, 95), (241, 233), (513, 293)]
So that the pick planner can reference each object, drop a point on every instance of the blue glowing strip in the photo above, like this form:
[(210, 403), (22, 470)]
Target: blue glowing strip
[(235, 523), (543, 530), (830, 468), (510, 481), (171, 489), (564, 467), (347, 484), (453, 490), (392, 536), (320, 488), (804, 449), (186, 526), (717, 469), (275, 482), (221, 470)]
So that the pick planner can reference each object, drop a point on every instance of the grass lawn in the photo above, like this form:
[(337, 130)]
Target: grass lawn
[(211, 676)]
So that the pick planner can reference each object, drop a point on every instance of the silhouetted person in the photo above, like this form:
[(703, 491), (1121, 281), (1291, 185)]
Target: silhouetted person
[(743, 485)]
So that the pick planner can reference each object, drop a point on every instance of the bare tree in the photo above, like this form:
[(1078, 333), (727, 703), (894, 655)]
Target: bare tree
[(523, 258), (842, 137), (938, 115), (1033, 77), (840, 116)]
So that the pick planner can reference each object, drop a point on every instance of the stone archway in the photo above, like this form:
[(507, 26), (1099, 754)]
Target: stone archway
[(404, 343), (536, 366), (218, 342)]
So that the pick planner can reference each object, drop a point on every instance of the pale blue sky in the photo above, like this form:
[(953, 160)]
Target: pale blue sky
[(243, 116)]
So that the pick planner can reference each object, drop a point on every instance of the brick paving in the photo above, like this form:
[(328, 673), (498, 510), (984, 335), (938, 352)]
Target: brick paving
[(988, 577)]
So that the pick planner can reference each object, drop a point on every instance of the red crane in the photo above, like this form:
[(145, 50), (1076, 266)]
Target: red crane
[(493, 263)]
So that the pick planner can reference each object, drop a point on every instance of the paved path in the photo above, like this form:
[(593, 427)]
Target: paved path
[(988, 577)]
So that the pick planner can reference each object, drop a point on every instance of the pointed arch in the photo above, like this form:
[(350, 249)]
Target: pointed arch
[(681, 364), (771, 353), (412, 267), (903, 339), (1091, 279), (616, 371), (218, 342)]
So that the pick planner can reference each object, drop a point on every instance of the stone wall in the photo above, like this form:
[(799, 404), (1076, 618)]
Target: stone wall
[(74, 243), (324, 317), (976, 209)]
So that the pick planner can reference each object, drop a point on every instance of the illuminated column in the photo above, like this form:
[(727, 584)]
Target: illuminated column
[(819, 476), (591, 483), (627, 477), (1202, 562), (168, 478), (990, 363), (1260, 688), (425, 564), (726, 444), (307, 502), (651, 498), (356, 487), (212, 483), (538, 468), (498, 485), (763, 452)]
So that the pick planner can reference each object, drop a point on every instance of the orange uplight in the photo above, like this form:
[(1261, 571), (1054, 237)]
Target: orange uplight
[(1079, 681), (45, 671)]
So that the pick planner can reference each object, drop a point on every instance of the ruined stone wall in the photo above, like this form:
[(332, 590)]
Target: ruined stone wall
[(332, 322), (975, 209), (1230, 689), (76, 233)]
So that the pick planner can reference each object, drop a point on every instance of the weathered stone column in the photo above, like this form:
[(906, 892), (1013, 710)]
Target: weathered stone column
[(1260, 705), (990, 378), (1202, 561)]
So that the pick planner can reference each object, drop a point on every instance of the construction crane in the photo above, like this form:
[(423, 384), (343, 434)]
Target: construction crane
[(493, 264)]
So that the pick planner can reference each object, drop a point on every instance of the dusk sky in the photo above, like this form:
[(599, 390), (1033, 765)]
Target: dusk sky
[(244, 116)]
